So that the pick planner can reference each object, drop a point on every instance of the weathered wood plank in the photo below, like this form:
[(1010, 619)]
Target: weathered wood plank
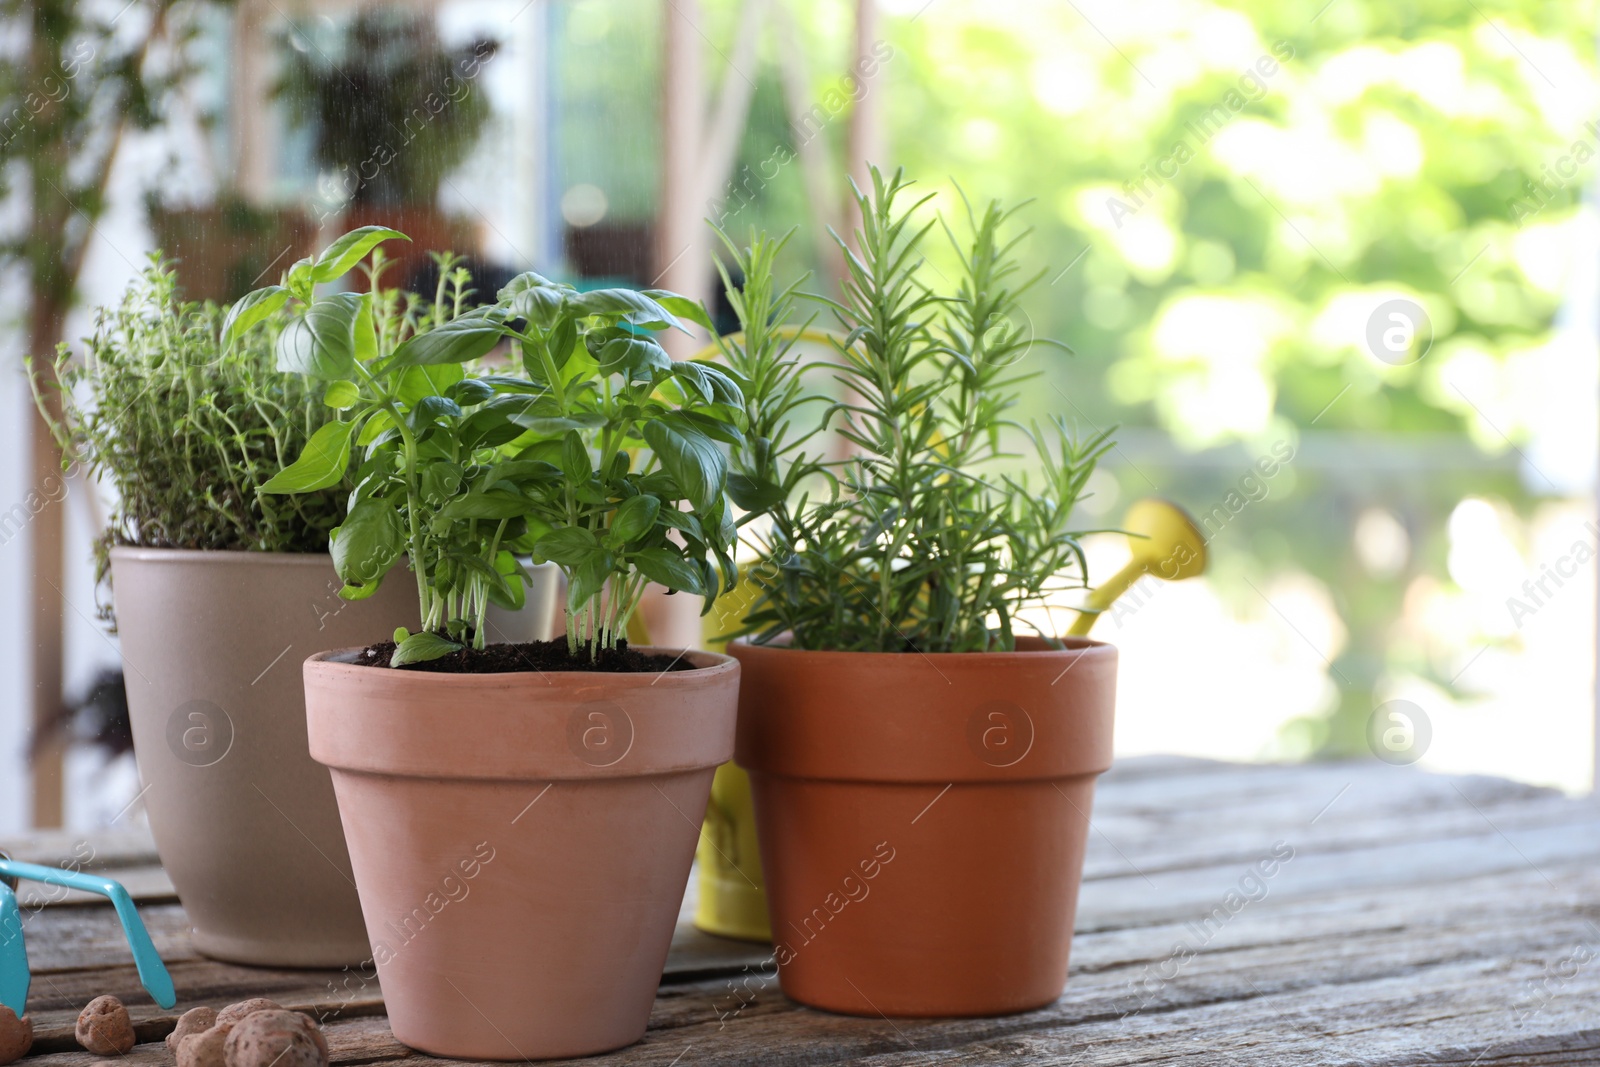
[(1420, 919)]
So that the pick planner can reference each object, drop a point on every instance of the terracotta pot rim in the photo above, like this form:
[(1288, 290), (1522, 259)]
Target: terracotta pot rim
[(519, 725), (1076, 646), (220, 555), (710, 665)]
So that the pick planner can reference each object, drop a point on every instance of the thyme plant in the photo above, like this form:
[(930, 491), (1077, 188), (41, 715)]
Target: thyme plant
[(920, 540), (602, 456), (185, 430)]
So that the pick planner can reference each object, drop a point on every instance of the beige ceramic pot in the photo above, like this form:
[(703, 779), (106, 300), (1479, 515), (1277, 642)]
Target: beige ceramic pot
[(922, 819), (522, 841), (244, 819)]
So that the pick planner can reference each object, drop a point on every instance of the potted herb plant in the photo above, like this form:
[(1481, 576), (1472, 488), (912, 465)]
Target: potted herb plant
[(558, 785), (922, 772), (218, 594)]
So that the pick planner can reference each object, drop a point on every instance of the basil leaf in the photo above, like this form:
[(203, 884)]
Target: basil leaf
[(693, 460), (752, 495), (420, 648), (490, 504), (587, 580), (471, 392), (321, 343), (472, 336), (418, 382), (341, 395), (337, 259), (683, 307), (666, 567), (251, 309), (366, 545), (575, 458), (568, 546), (630, 306), (636, 358), (321, 465), (634, 518)]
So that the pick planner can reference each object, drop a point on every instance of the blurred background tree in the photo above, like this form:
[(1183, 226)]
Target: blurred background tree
[(1225, 196)]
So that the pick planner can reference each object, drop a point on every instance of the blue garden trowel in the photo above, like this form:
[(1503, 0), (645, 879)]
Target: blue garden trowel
[(14, 976)]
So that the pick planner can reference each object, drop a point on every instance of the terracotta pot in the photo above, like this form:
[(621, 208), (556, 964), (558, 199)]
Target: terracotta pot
[(521, 841), (245, 821), (922, 819)]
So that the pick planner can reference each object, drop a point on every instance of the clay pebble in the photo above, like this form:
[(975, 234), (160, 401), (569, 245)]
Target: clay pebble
[(193, 1021), (205, 1049), (104, 1027), (233, 1013), (276, 1039), (16, 1035)]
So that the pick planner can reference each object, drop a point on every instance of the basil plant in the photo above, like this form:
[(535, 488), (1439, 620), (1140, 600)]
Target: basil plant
[(603, 455)]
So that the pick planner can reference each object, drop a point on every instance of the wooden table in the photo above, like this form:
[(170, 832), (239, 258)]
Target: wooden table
[(1411, 919)]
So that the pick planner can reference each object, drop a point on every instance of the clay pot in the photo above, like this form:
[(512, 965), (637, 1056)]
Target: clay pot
[(923, 818), (521, 841), (244, 819)]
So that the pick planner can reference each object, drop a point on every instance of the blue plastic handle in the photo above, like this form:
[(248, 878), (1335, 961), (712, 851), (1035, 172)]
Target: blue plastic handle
[(14, 975), (152, 972)]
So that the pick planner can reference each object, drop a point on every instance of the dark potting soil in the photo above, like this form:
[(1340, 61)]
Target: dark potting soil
[(532, 656)]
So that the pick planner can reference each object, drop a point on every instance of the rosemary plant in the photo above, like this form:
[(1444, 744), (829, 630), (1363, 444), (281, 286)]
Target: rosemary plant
[(920, 540), (186, 431)]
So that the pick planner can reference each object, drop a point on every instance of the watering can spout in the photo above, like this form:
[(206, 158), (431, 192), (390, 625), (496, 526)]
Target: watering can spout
[(1165, 542)]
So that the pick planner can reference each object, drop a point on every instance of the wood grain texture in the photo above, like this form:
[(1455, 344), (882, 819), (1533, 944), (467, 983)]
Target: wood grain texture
[(1409, 919)]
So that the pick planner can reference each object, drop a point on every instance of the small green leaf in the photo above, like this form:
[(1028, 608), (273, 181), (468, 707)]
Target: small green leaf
[(631, 307), (752, 495), (636, 358), (538, 305), (367, 544), (321, 343), (724, 390), (376, 425), (493, 504), (693, 460), (420, 648), (682, 307), (418, 382), (587, 580), (365, 332), (581, 420), (511, 592), (344, 253), (575, 458), (568, 546), (665, 566), (529, 280), (341, 395), (400, 634), (470, 392), (321, 465), (634, 518), (432, 409), (472, 336), (251, 309)]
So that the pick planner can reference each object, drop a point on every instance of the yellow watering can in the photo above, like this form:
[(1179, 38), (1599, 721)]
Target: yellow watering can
[(732, 901), (732, 898)]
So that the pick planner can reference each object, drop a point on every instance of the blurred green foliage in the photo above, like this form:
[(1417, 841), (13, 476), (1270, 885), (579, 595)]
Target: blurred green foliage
[(1224, 194)]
